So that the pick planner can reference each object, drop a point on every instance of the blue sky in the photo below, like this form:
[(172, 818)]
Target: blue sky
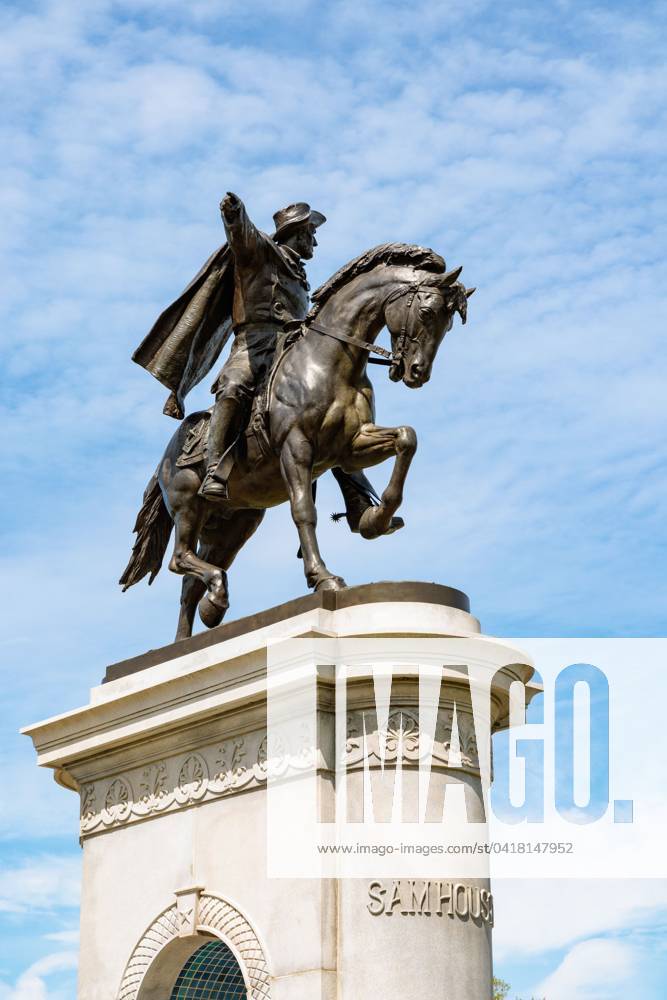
[(524, 141)]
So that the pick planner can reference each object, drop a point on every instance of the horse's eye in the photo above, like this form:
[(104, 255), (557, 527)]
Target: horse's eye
[(425, 313)]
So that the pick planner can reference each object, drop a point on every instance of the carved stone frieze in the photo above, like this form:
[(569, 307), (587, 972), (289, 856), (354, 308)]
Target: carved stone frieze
[(403, 737), (224, 768), (243, 762)]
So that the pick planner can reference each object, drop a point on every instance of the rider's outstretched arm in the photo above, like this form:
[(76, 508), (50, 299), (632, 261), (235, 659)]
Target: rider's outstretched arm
[(242, 235)]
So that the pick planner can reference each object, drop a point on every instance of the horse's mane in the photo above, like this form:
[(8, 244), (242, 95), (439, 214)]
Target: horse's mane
[(386, 253)]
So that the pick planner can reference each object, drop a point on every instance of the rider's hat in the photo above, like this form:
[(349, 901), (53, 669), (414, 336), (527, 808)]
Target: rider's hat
[(287, 219)]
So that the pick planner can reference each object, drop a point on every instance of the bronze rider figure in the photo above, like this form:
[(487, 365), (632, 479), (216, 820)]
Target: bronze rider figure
[(252, 287)]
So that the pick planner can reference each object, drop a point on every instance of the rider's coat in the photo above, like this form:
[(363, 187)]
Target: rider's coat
[(187, 338), (270, 289)]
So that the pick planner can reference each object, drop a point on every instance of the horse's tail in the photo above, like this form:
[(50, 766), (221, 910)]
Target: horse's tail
[(152, 528)]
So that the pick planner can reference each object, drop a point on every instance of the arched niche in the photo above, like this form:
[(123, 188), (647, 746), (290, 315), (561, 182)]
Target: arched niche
[(177, 933)]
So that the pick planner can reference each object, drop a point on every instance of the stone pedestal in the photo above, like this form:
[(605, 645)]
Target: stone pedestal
[(170, 759)]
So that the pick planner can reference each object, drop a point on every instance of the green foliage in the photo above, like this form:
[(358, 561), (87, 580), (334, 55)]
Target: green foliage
[(500, 989)]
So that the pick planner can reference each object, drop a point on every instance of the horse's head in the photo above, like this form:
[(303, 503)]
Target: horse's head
[(418, 314)]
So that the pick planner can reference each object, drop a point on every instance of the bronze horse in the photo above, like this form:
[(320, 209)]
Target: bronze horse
[(316, 413)]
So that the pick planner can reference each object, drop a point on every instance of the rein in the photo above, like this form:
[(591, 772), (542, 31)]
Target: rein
[(386, 357)]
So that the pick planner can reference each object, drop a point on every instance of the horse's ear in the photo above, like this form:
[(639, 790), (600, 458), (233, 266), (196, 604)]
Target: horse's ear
[(470, 291), (443, 280), (449, 277)]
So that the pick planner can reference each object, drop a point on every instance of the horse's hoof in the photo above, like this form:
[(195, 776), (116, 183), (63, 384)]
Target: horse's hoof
[(211, 614), (213, 605), (372, 523), (331, 583)]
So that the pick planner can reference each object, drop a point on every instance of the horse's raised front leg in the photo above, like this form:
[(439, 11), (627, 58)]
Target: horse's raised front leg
[(296, 465), (371, 446)]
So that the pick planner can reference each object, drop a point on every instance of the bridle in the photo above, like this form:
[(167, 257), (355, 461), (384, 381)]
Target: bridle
[(406, 335)]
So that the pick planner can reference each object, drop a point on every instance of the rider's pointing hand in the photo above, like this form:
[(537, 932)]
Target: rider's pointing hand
[(229, 203)]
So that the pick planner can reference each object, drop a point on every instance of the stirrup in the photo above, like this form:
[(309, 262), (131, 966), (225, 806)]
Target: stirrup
[(213, 488)]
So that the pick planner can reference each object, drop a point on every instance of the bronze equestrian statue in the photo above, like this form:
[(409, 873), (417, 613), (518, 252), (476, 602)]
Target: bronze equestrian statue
[(293, 400)]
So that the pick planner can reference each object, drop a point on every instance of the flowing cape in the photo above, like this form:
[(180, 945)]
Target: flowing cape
[(186, 339)]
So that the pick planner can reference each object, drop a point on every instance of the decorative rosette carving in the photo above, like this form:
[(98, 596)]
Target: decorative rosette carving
[(117, 802), (402, 733), (402, 736), (192, 779)]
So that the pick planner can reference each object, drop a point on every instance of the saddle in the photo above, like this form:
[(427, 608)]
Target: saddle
[(253, 442)]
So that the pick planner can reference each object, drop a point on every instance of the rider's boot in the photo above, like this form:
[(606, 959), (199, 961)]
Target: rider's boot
[(222, 432), (359, 495)]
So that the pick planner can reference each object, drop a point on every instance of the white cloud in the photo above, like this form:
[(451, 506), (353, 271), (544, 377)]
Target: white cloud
[(555, 913), (44, 882), (64, 937), (32, 984), (599, 969)]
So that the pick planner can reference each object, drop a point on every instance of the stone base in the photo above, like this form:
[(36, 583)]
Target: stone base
[(170, 760)]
